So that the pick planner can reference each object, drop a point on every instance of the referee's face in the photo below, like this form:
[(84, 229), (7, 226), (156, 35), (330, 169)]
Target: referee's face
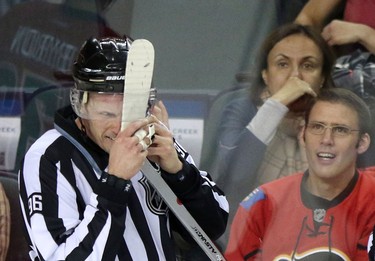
[(105, 122)]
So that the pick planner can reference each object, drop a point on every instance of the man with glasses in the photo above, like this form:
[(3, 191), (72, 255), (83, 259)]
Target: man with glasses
[(325, 213)]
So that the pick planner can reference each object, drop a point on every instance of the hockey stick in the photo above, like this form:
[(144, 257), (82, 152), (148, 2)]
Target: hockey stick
[(138, 75), (139, 68), (181, 213)]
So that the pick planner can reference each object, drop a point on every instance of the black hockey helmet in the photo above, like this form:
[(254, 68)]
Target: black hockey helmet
[(100, 65), (100, 68)]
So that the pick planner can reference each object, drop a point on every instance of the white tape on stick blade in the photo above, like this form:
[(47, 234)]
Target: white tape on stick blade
[(138, 77)]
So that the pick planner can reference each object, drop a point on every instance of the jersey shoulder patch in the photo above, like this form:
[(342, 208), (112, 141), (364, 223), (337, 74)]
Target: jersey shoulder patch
[(255, 196)]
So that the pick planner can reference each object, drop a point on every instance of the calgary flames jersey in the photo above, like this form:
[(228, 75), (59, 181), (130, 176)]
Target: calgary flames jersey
[(282, 221)]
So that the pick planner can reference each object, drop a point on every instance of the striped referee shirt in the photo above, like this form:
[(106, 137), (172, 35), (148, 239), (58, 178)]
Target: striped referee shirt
[(71, 215)]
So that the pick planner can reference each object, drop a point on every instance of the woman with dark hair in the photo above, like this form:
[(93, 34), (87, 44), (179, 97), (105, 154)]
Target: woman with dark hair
[(273, 39), (259, 133)]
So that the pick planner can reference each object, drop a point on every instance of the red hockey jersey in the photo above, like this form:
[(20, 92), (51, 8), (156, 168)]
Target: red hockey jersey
[(281, 220)]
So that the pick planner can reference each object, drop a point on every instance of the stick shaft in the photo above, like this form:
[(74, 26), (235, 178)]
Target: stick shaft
[(181, 213)]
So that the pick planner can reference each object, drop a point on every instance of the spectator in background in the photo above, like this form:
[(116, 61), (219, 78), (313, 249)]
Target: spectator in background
[(356, 28), (353, 38), (325, 213), (258, 134)]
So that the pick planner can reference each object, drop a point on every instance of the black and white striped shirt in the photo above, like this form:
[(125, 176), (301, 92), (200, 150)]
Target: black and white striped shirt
[(70, 215)]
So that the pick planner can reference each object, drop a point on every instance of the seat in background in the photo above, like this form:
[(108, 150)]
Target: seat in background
[(18, 247), (212, 125), (38, 116)]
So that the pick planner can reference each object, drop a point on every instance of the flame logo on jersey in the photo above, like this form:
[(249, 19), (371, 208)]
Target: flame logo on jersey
[(321, 254)]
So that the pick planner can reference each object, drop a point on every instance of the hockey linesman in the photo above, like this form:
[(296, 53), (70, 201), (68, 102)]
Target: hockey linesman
[(83, 194)]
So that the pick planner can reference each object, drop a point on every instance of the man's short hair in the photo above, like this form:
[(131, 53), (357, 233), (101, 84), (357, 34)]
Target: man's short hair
[(349, 99)]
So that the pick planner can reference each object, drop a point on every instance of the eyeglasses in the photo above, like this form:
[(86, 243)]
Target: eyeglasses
[(318, 128)]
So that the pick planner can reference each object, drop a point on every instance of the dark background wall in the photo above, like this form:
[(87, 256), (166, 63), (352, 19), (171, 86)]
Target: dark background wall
[(199, 44)]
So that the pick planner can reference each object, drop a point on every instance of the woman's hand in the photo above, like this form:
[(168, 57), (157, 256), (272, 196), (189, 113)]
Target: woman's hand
[(293, 89)]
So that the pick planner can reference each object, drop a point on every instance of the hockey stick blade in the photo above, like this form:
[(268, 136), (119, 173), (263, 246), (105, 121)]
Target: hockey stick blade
[(181, 213), (138, 77)]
